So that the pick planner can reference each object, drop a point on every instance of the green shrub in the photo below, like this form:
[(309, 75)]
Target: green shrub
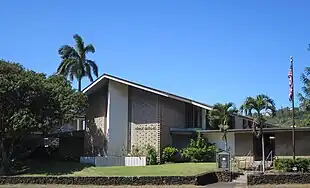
[(136, 152), (170, 154), (199, 150), (288, 164), (151, 155)]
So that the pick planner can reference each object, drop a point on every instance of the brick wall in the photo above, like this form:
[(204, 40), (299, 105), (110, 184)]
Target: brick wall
[(151, 117), (95, 138)]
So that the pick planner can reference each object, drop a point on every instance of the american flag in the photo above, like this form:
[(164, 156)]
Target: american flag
[(290, 78)]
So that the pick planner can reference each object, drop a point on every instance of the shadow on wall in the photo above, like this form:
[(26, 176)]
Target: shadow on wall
[(95, 143)]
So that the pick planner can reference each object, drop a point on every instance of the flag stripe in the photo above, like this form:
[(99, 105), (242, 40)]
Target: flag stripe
[(290, 78)]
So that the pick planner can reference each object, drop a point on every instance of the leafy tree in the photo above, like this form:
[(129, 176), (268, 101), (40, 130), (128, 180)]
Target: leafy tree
[(31, 103), (284, 118), (199, 150), (74, 63), (220, 117), (259, 107), (305, 97)]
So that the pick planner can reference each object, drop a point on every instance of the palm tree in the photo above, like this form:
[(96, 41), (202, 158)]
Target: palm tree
[(74, 63), (258, 107), (220, 117)]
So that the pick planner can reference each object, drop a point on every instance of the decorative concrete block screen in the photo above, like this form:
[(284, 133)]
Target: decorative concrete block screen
[(144, 135), (114, 161)]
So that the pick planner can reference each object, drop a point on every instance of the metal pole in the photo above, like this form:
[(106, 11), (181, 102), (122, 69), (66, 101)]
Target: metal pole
[(293, 110)]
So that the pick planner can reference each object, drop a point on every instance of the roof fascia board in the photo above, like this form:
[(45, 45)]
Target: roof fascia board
[(93, 84), (202, 106)]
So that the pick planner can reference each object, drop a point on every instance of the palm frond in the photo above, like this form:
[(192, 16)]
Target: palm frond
[(65, 65), (89, 48), (70, 69), (60, 69), (74, 63), (79, 44), (67, 51), (248, 106), (93, 66), (88, 72), (260, 105), (233, 110), (73, 71), (220, 115)]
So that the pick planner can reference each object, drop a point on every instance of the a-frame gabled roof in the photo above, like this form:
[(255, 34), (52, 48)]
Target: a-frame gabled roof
[(105, 77)]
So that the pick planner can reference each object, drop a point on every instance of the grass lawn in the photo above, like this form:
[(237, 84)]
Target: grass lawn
[(78, 169)]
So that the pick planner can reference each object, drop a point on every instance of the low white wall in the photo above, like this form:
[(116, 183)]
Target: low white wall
[(114, 161), (135, 161), (87, 160), (109, 161), (216, 138)]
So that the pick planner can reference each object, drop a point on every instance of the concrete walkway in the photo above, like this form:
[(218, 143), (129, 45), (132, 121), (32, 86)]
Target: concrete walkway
[(236, 185), (227, 185)]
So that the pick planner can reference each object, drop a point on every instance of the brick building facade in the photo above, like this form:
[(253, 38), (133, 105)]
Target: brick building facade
[(124, 115)]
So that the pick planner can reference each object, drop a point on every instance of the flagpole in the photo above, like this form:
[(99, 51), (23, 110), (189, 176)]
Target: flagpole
[(293, 109)]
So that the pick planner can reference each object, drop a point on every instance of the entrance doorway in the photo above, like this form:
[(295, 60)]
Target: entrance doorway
[(269, 142)]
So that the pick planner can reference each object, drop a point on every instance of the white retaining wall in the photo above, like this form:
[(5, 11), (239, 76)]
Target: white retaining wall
[(114, 161)]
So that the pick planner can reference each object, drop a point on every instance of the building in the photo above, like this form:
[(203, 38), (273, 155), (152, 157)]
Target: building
[(124, 115)]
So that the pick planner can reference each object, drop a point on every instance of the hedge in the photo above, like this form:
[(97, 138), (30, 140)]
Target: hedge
[(287, 165)]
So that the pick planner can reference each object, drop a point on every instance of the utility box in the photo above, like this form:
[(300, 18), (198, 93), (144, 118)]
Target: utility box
[(223, 161)]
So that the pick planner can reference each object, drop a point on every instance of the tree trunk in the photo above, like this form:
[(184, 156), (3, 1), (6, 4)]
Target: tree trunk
[(79, 84), (263, 149), (225, 140), (4, 166)]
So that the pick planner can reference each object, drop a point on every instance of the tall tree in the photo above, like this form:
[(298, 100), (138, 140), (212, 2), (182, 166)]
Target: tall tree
[(30, 102), (259, 107), (74, 63), (305, 97), (220, 117)]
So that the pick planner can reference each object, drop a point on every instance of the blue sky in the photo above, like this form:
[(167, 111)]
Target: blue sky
[(211, 51)]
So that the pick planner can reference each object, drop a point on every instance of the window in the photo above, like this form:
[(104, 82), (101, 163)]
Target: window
[(193, 116), (243, 123), (232, 122), (207, 120)]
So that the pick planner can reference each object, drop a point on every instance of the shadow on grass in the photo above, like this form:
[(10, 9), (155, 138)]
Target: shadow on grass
[(53, 168)]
